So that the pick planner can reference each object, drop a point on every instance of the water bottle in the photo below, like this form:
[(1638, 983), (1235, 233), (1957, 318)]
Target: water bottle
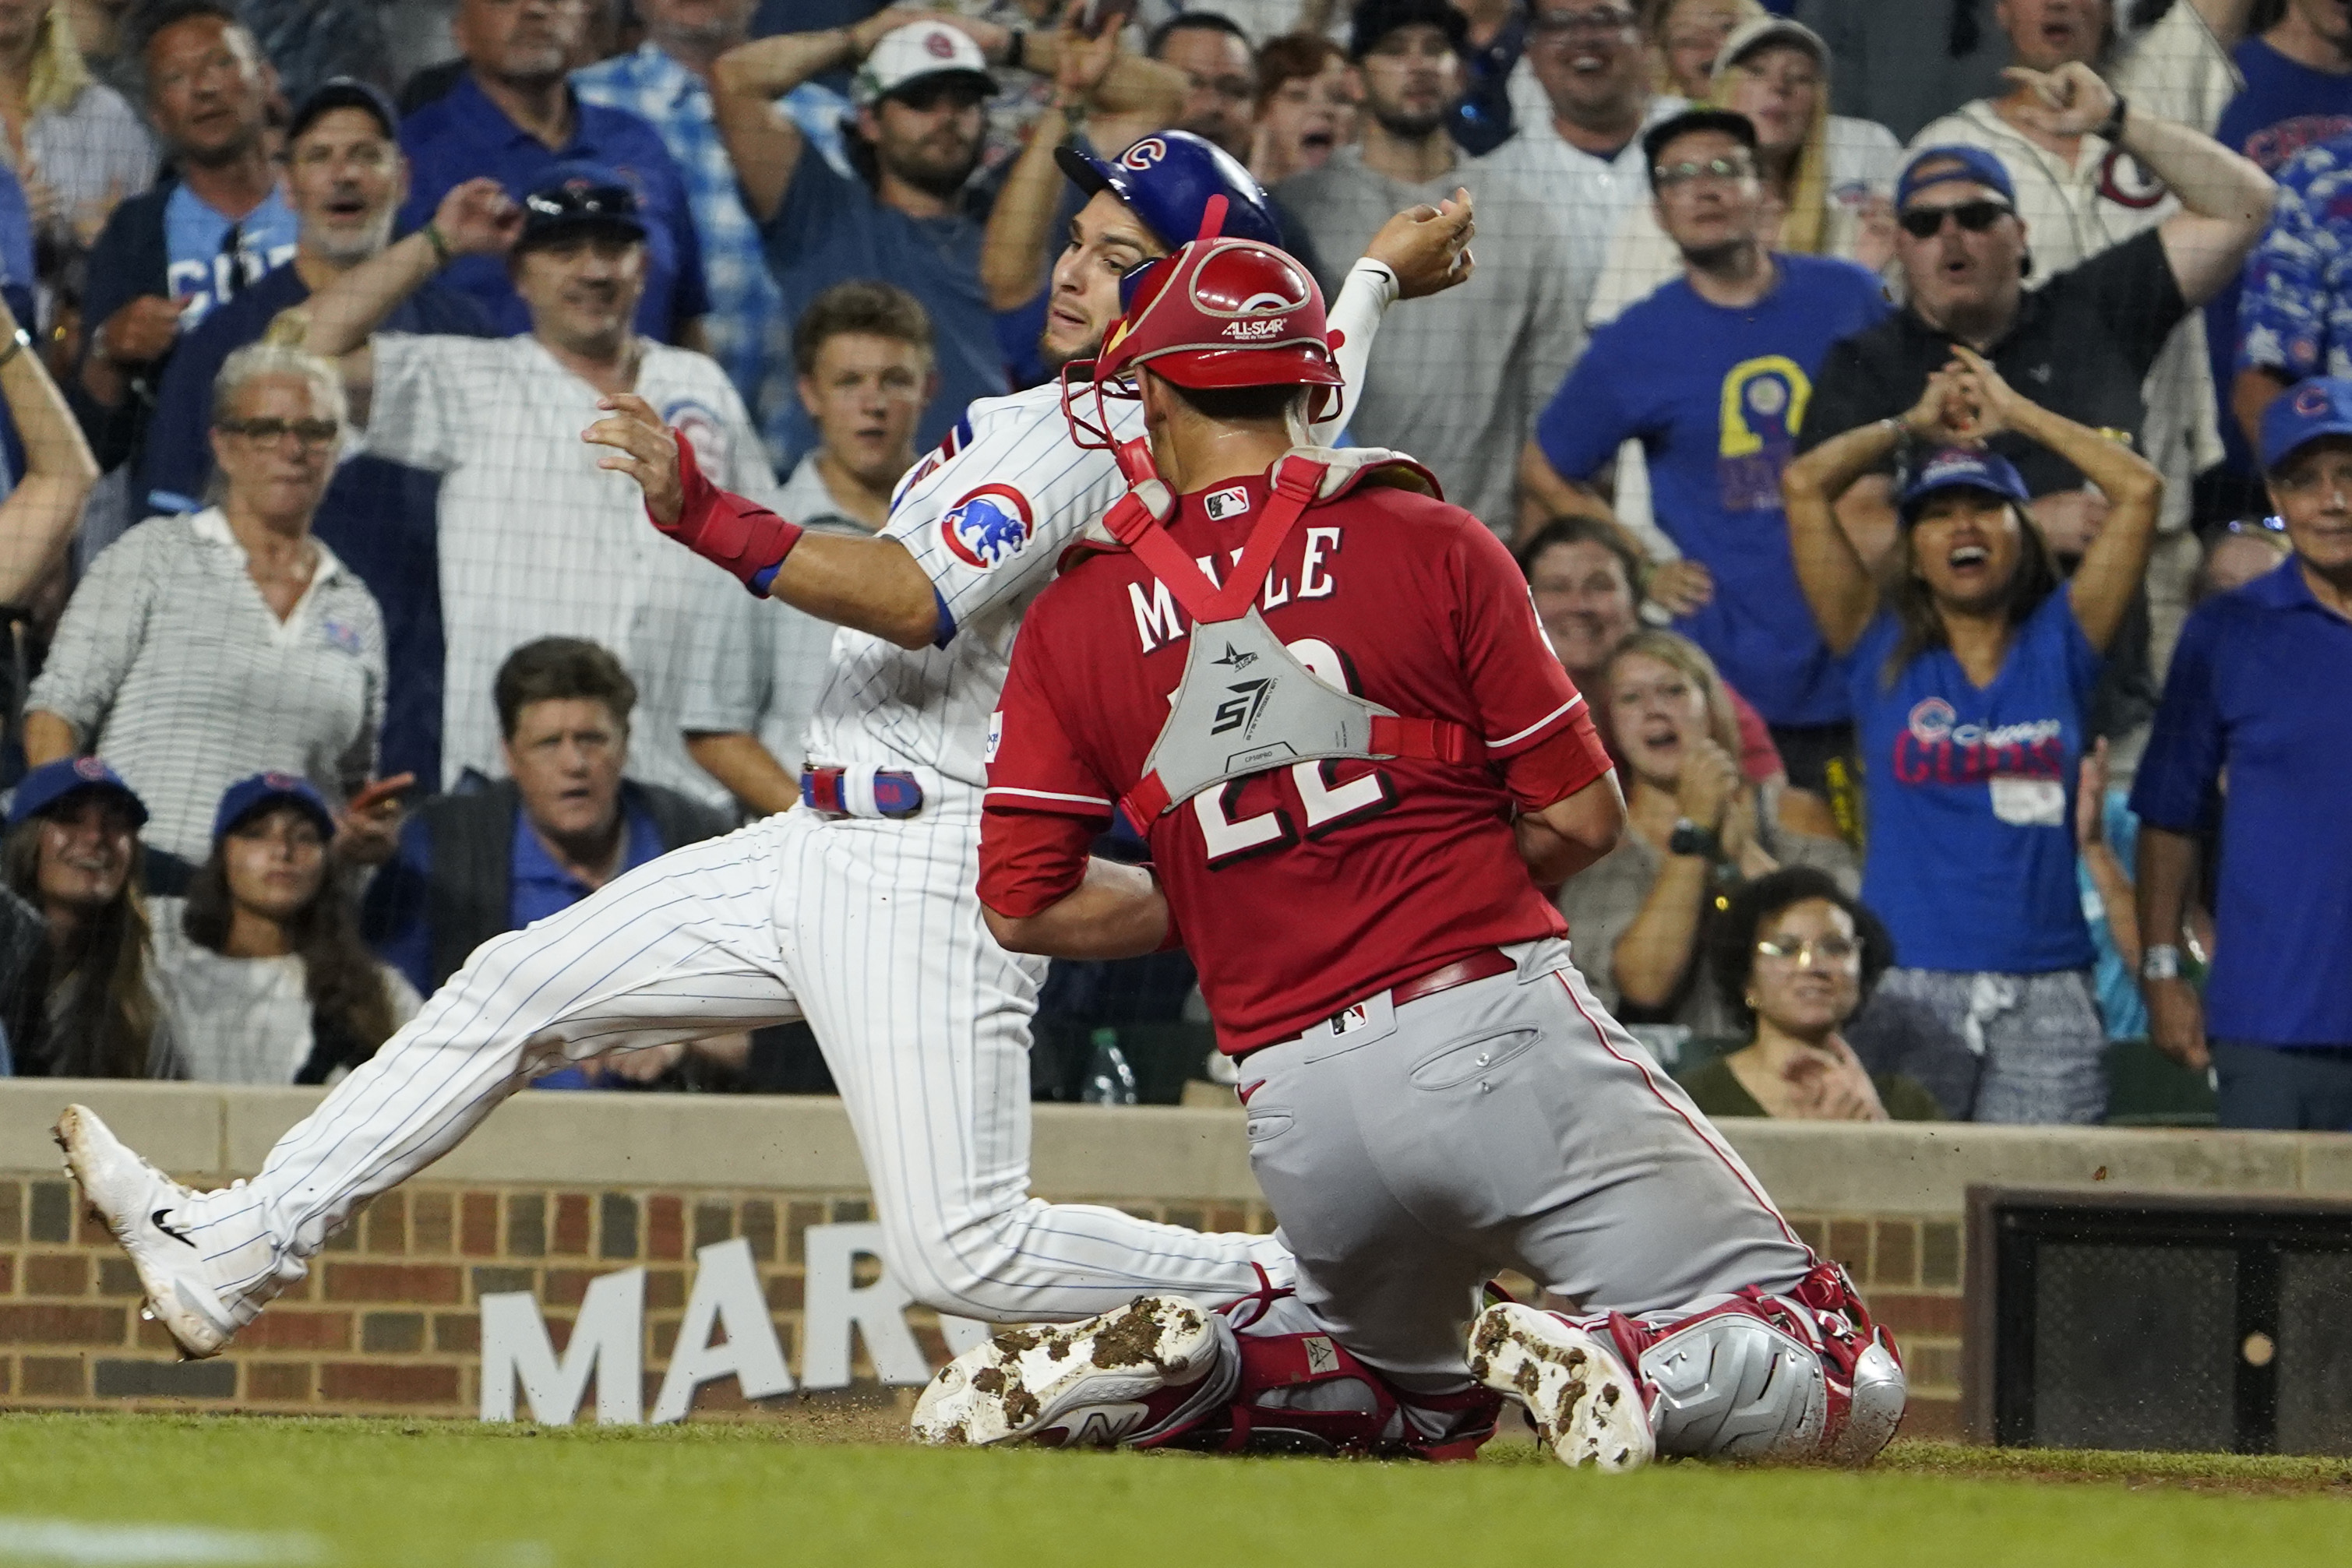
[(1110, 1080)]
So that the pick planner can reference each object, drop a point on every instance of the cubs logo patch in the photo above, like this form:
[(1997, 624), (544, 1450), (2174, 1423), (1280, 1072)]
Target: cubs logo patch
[(989, 526), (2310, 401), (699, 423), (342, 634), (1224, 504), (1144, 154), (90, 768)]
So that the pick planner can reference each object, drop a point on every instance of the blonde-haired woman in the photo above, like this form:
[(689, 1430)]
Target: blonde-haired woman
[(1688, 35), (74, 143), (1695, 829), (202, 647)]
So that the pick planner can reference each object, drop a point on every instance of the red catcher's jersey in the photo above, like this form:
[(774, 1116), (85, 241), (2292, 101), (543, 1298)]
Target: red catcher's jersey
[(1303, 889)]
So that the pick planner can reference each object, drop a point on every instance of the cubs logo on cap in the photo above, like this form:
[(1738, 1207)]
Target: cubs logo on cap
[(248, 797), (52, 782), (1143, 154), (2306, 412), (938, 45), (1962, 468), (989, 526)]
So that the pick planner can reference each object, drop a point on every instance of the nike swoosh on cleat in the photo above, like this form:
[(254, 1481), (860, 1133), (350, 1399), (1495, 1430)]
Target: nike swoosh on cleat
[(156, 1219)]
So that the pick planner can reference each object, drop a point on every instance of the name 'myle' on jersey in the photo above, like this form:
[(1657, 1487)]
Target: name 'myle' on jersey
[(1311, 885)]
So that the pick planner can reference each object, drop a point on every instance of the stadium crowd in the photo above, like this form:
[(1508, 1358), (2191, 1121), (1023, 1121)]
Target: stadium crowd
[(1925, 426)]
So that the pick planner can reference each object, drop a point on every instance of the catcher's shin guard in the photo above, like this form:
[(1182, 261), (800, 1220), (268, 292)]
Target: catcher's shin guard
[(1803, 1373)]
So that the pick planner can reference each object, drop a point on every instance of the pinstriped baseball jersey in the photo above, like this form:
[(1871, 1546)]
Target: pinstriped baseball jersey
[(985, 516)]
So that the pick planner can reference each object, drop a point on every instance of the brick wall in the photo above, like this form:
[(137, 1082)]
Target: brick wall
[(388, 1318)]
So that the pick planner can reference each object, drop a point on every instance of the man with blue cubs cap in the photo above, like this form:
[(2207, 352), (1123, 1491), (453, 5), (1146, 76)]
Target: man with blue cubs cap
[(2258, 691), (858, 913)]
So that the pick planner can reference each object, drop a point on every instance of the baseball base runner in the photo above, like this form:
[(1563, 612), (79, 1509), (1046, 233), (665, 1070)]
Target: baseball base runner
[(857, 912), (1326, 695)]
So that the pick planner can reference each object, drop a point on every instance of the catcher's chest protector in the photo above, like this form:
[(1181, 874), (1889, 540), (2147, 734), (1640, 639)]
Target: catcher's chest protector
[(1244, 703)]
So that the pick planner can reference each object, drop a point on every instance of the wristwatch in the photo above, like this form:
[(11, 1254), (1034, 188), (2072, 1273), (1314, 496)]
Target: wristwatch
[(2111, 128), (1689, 838), (2160, 962)]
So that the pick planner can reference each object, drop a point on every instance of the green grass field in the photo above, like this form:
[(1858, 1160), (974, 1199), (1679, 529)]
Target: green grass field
[(164, 1489)]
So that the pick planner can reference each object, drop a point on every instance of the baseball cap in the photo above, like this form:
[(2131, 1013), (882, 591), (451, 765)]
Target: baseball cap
[(1962, 468), (1758, 33), (1376, 19), (1972, 163), (906, 54), (575, 195), (2302, 414), (1731, 122), (52, 782), (345, 92), (1223, 313), (1167, 179), (247, 796)]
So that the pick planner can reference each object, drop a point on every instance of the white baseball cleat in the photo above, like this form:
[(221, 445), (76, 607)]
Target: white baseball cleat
[(1576, 1387), (138, 1204), (1138, 1375)]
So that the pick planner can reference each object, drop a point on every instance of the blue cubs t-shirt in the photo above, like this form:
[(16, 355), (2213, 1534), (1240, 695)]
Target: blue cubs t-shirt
[(1716, 395), (2284, 108), (1970, 796), (206, 266)]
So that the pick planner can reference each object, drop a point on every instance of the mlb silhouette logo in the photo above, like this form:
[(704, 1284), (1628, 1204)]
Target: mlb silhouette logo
[(989, 526)]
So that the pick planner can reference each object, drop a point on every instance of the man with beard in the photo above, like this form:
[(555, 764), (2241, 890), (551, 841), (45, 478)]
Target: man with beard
[(1585, 155), (911, 218), (1458, 381), (344, 178), (513, 116)]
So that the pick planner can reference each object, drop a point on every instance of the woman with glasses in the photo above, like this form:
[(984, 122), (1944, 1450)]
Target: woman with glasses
[(1970, 672), (261, 965), (1795, 958), (201, 647), (1694, 829)]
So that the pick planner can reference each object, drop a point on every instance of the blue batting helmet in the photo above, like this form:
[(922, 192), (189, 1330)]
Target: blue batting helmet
[(1167, 179)]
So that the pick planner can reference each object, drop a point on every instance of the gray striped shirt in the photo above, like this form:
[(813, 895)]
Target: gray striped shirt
[(170, 665)]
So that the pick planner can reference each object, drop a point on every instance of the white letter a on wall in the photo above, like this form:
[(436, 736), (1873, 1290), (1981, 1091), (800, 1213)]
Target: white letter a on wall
[(726, 1296)]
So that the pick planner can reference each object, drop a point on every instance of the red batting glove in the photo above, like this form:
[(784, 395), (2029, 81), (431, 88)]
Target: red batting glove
[(725, 529)]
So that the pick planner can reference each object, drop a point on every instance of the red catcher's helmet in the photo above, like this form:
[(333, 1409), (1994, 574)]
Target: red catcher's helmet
[(1215, 313)]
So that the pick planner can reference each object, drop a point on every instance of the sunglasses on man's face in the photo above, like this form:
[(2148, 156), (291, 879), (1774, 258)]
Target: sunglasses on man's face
[(1924, 223)]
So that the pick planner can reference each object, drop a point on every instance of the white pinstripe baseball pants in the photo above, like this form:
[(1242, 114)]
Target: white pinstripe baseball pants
[(872, 931)]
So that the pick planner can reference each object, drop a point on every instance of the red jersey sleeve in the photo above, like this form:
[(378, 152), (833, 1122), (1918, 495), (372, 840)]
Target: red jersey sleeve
[(1045, 801), (1522, 695)]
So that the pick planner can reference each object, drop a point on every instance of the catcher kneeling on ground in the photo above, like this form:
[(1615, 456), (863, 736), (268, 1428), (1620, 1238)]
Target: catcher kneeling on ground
[(1356, 758)]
